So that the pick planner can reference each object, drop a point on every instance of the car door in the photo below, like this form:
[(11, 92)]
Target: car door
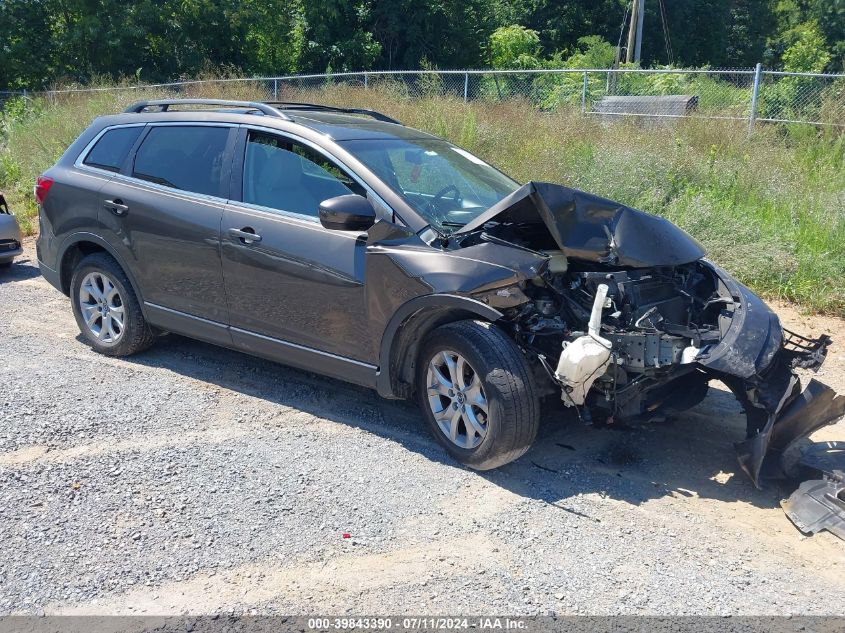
[(295, 289), (163, 214)]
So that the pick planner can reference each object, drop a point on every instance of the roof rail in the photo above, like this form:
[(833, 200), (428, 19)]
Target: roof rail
[(296, 105), (164, 105)]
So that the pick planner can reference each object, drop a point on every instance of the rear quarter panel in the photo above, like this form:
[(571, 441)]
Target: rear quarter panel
[(71, 207)]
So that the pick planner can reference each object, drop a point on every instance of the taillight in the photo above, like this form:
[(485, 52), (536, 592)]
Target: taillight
[(42, 186)]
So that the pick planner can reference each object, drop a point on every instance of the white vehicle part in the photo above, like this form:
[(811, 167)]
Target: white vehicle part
[(586, 358), (689, 355), (557, 262)]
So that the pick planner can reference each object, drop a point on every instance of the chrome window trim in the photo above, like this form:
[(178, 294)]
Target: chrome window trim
[(323, 152), (296, 219), (80, 160), (302, 218), (133, 180), (181, 194)]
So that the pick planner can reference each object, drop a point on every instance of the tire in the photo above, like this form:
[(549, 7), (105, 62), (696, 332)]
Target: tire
[(507, 388), (100, 271)]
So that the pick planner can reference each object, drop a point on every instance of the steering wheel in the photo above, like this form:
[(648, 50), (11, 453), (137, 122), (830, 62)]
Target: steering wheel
[(433, 204)]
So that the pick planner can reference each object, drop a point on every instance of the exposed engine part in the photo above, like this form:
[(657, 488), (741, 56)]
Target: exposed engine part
[(649, 299), (653, 320), (586, 358), (650, 349), (659, 335), (545, 306)]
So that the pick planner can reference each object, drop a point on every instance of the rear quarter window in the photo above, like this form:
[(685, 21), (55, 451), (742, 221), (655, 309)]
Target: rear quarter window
[(189, 158), (112, 148)]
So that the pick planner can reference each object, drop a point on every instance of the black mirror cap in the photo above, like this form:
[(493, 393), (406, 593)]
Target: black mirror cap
[(347, 213)]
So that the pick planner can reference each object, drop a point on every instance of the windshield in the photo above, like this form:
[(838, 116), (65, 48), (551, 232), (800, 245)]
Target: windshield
[(445, 184)]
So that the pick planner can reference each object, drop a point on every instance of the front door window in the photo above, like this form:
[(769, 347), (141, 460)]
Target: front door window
[(284, 175)]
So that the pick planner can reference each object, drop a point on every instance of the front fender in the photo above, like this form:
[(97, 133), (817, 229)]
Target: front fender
[(409, 325)]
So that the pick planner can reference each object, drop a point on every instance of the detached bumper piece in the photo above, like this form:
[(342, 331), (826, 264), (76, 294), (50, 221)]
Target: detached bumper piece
[(817, 406), (819, 504), (778, 412), (804, 352)]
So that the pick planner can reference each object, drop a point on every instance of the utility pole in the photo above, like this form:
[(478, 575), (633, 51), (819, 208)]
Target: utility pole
[(635, 32)]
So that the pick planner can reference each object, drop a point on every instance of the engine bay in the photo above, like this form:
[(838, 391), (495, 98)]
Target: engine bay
[(654, 322)]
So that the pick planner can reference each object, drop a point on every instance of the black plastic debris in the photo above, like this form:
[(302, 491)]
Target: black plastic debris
[(819, 504)]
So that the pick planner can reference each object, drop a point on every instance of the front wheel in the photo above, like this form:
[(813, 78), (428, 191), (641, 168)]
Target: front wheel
[(477, 392)]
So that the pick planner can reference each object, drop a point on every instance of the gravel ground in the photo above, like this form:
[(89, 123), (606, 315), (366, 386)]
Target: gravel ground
[(192, 479)]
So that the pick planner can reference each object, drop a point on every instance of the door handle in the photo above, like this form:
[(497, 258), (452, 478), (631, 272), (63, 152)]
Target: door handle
[(116, 206), (246, 235)]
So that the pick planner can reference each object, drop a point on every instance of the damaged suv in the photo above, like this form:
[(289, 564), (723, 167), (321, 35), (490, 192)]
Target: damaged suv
[(339, 241)]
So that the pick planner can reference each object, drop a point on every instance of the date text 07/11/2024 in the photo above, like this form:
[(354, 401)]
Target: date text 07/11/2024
[(415, 623)]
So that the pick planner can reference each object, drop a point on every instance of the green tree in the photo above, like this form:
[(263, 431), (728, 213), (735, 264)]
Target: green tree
[(698, 29), (447, 33), (807, 52), (830, 16), (816, 23), (559, 23), (514, 47), (751, 24), (593, 52), (336, 36), (24, 59)]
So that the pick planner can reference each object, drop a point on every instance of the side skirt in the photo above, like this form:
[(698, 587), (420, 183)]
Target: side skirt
[(285, 352)]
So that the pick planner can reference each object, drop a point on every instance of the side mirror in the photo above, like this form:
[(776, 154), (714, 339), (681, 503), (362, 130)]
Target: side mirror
[(347, 213)]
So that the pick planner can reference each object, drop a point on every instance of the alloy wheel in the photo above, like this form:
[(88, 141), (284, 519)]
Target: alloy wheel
[(102, 307), (457, 399)]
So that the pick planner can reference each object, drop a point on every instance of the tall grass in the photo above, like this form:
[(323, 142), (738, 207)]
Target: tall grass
[(770, 209)]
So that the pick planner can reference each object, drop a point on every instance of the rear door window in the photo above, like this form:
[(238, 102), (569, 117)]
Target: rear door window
[(184, 157), (113, 147), (281, 174)]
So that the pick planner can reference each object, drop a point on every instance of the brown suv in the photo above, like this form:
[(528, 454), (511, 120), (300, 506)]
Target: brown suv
[(340, 241)]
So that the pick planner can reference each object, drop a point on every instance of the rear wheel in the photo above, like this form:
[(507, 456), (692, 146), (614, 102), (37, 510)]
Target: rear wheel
[(106, 309), (477, 392)]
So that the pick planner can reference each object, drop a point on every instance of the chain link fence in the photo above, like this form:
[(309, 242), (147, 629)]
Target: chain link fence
[(738, 94)]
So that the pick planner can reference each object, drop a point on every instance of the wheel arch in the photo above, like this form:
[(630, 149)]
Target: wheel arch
[(76, 247), (407, 329)]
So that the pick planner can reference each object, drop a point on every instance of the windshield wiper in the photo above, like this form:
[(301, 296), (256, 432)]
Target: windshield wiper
[(452, 224)]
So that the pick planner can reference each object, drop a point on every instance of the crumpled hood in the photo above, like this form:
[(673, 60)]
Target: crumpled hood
[(595, 229)]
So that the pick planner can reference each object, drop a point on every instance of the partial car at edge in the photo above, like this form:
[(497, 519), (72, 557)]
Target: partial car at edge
[(11, 239)]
